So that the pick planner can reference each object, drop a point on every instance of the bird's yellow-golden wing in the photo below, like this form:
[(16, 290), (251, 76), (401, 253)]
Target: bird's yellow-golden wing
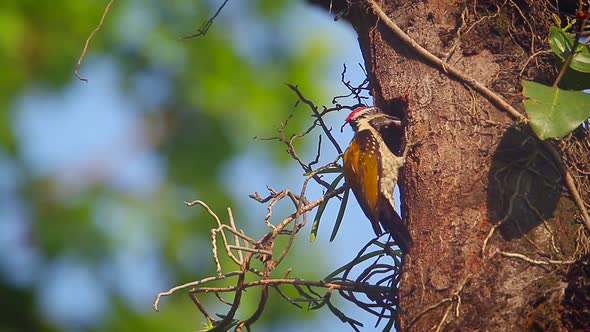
[(361, 170)]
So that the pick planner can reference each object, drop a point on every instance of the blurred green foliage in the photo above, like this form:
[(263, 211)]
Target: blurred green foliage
[(219, 98)]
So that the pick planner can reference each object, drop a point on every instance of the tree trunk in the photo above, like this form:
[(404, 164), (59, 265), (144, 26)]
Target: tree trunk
[(472, 168)]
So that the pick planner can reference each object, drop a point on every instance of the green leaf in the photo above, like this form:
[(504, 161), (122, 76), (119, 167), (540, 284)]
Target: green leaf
[(389, 325), (562, 44), (342, 316), (554, 112), (316, 306), (331, 170), (573, 79), (356, 261), (212, 326), (316, 221), (340, 215)]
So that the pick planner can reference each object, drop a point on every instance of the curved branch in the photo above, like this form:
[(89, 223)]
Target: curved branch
[(441, 65), (90, 37), (339, 285)]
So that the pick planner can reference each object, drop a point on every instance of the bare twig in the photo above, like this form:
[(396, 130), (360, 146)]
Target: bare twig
[(192, 284), (459, 34), (219, 229), (506, 216), (532, 57), (204, 28), (535, 261), (262, 247), (455, 297), (90, 37), (338, 285), (354, 91), (426, 310), (569, 182), (317, 115)]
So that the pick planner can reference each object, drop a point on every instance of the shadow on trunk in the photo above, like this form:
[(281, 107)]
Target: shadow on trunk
[(524, 184)]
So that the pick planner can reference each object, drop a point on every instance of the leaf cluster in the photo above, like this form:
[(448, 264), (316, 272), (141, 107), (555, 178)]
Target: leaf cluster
[(556, 111)]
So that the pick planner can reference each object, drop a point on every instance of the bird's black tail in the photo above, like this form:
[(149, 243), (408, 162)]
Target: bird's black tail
[(393, 223)]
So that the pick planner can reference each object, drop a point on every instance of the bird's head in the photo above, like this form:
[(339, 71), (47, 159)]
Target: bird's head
[(359, 114)]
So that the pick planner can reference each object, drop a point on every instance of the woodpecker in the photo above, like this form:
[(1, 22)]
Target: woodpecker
[(371, 169)]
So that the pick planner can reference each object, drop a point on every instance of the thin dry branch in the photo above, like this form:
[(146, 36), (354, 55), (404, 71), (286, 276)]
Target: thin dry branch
[(354, 91), (317, 116), (192, 284), (90, 37), (444, 67), (261, 247), (204, 28), (455, 297), (569, 181), (337, 285), (220, 227), (535, 261)]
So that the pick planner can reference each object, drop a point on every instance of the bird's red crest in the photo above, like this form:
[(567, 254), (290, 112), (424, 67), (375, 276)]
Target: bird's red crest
[(351, 115)]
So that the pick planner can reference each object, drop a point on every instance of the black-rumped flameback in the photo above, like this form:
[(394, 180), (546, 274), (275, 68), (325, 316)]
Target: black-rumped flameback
[(371, 169)]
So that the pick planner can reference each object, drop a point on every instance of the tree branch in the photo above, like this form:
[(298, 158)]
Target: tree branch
[(90, 37), (441, 65)]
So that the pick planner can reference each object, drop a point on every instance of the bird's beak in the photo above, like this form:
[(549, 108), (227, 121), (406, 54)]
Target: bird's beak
[(343, 125)]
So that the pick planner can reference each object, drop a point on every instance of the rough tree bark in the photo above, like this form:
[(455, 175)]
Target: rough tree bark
[(473, 169)]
